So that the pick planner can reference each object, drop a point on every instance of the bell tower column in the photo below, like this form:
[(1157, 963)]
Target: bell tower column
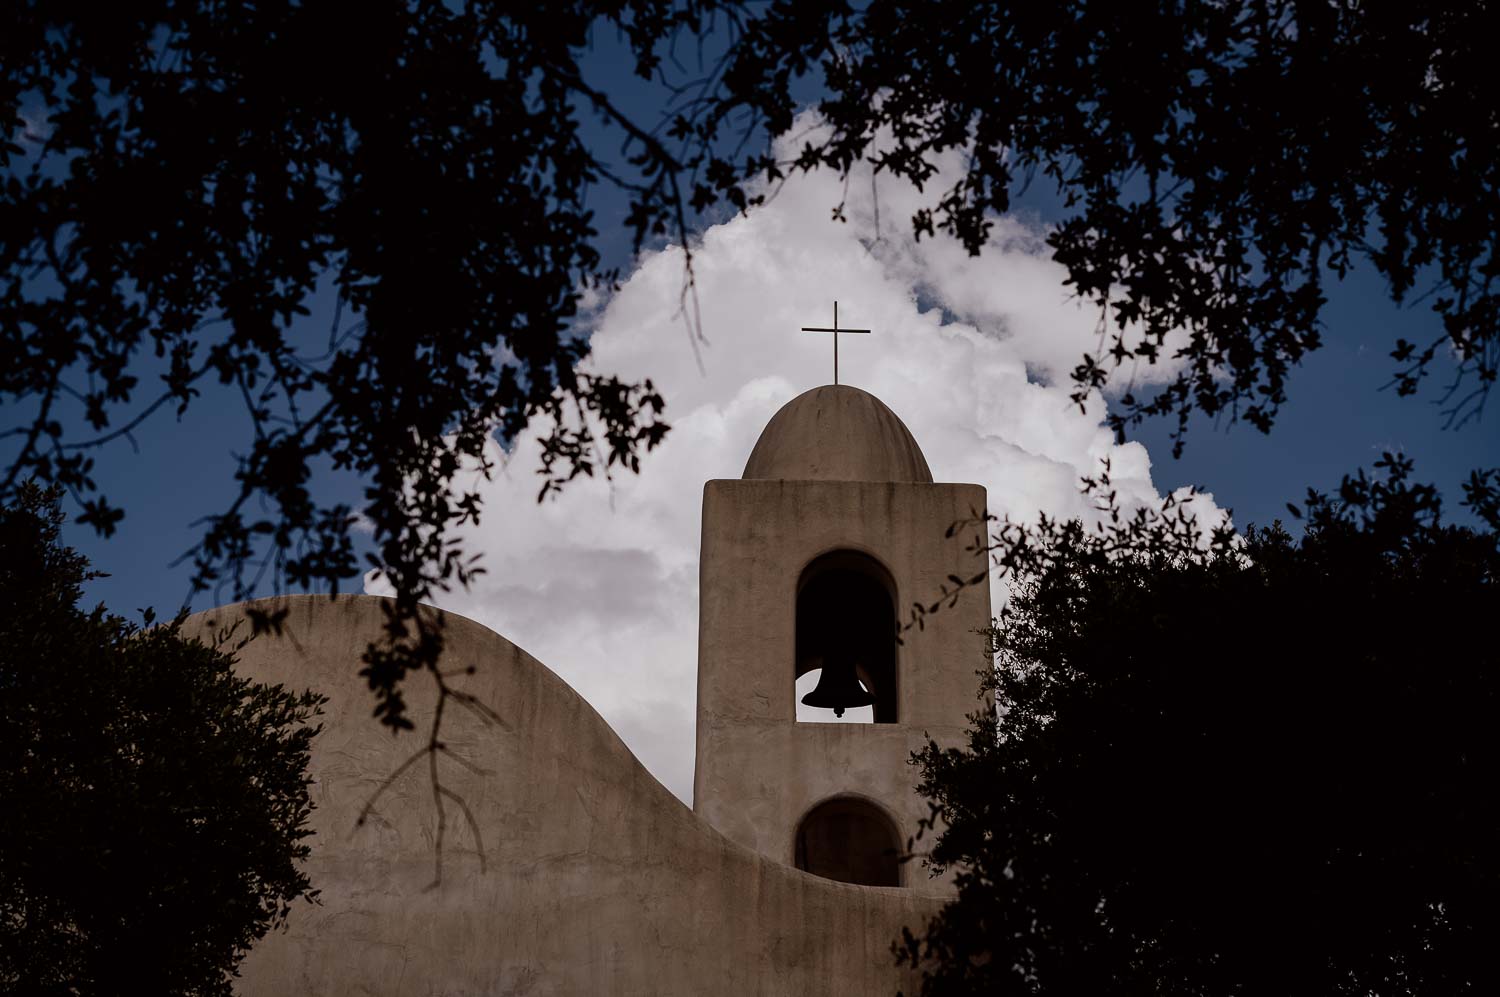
[(837, 521)]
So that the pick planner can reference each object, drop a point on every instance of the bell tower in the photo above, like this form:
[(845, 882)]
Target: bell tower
[(808, 563)]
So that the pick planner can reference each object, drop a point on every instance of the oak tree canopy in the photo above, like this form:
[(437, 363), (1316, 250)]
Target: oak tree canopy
[(1261, 769), (156, 804), (181, 178)]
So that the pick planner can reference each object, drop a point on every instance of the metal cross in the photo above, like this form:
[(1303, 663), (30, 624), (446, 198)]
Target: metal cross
[(835, 330)]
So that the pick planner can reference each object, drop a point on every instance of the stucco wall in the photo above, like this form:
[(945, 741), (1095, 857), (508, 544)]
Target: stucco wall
[(599, 881), (758, 770)]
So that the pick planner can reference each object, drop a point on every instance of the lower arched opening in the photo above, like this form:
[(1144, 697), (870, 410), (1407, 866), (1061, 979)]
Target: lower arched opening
[(850, 840)]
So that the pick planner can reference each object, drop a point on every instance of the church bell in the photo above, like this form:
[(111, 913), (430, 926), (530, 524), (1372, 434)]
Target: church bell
[(838, 688)]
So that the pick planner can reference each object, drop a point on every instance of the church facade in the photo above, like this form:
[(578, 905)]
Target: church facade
[(789, 875)]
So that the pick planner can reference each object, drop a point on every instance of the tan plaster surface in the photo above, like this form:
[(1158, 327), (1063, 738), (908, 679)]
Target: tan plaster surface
[(598, 880), (758, 771)]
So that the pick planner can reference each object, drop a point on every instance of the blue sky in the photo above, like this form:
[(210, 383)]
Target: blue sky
[(1338, 418), (950, 334)]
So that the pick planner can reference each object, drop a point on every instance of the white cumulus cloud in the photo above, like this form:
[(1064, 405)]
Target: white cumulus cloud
[(601, 583)]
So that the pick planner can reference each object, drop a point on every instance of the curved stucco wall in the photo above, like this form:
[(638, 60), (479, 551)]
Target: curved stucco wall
[(598, 880)]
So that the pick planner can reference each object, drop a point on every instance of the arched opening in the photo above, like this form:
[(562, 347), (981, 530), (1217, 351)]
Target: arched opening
[(849, 840), (846, 621)]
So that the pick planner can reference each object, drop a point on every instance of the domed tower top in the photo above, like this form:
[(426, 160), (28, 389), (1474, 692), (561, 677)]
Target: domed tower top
[(837, 433)]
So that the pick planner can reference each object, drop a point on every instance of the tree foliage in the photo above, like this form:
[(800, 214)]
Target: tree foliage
[(155, 805), (1219, 164), (1267, 769), (185, 175)]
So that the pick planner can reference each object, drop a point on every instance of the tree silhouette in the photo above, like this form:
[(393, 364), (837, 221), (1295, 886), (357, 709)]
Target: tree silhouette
[(184, 176), (1267, 769), (155, 805), (1219, 164)]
